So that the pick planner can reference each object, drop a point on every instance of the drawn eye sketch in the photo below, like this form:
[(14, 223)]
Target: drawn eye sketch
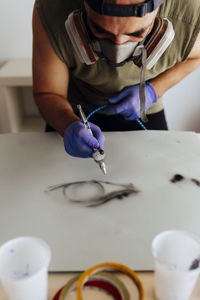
[(92, 193)]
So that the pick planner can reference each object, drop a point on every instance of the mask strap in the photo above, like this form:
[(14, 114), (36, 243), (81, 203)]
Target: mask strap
[(128, 10), (143, 84)]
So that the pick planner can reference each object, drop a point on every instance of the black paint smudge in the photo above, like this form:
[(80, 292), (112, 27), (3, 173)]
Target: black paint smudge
[(195, 264), (177, 178), (122, 191), (197, 182)]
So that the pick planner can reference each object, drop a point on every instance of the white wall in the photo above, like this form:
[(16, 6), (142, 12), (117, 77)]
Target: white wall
[(15, 29), (16, 40), (182, 102)]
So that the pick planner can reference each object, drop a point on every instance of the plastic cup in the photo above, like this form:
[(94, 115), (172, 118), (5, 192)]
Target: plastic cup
[(24, 267), (174, 254)]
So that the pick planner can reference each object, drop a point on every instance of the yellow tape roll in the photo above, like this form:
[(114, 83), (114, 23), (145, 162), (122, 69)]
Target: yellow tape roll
[(109, 267), (115, 281)]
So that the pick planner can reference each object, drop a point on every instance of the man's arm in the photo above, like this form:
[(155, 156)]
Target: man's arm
[(50, 80), (171, 77)]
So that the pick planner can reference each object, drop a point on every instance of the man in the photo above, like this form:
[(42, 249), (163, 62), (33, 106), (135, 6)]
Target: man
[(62, 79)]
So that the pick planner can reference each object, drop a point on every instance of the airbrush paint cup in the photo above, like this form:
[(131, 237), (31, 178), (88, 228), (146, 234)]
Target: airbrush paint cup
[(24, 265), (176, 254)]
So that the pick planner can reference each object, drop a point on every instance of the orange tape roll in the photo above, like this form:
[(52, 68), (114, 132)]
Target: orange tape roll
[(109, 267)]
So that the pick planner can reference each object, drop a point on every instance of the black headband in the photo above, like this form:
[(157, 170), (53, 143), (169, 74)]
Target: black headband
[(118, 10)]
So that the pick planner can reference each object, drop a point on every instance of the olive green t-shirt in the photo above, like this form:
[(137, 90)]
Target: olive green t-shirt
[(92, 85)]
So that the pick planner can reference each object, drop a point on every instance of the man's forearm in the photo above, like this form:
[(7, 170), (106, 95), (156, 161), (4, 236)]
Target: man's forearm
[(56, 111), (171, 77)]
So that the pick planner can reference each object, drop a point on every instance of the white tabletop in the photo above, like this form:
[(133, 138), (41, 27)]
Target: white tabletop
[(120, 230)]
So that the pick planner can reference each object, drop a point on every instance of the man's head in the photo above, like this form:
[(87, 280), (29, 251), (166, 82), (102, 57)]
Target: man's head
[(113, 20), (116, 31)]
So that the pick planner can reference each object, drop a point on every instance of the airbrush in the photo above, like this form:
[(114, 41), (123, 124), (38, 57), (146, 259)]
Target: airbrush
[(98, 154)]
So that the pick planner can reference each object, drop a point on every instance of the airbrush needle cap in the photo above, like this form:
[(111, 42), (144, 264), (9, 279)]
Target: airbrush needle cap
[(103, 168)]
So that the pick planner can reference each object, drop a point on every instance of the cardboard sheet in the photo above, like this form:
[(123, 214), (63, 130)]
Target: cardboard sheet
[(120, 230)]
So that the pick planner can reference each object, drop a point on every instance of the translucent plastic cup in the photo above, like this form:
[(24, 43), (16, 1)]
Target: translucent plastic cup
[(176, 254), (24, 265)]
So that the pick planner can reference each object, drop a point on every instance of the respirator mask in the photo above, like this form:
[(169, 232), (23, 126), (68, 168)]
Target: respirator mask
[(143, 54)]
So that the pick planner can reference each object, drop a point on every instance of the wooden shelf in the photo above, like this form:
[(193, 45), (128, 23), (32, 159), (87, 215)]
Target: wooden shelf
[(14, 76), (16, 73)]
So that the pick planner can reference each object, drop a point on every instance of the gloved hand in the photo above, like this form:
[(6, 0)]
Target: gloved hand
[(127, 102), (79, 142)]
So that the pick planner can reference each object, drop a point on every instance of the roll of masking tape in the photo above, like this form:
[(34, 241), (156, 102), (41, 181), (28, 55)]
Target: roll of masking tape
[(104, 281), (108, 267), (57, 295)]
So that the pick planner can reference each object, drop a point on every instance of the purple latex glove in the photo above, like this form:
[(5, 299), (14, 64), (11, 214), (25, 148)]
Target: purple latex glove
[(79, 142), (127, 102)]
